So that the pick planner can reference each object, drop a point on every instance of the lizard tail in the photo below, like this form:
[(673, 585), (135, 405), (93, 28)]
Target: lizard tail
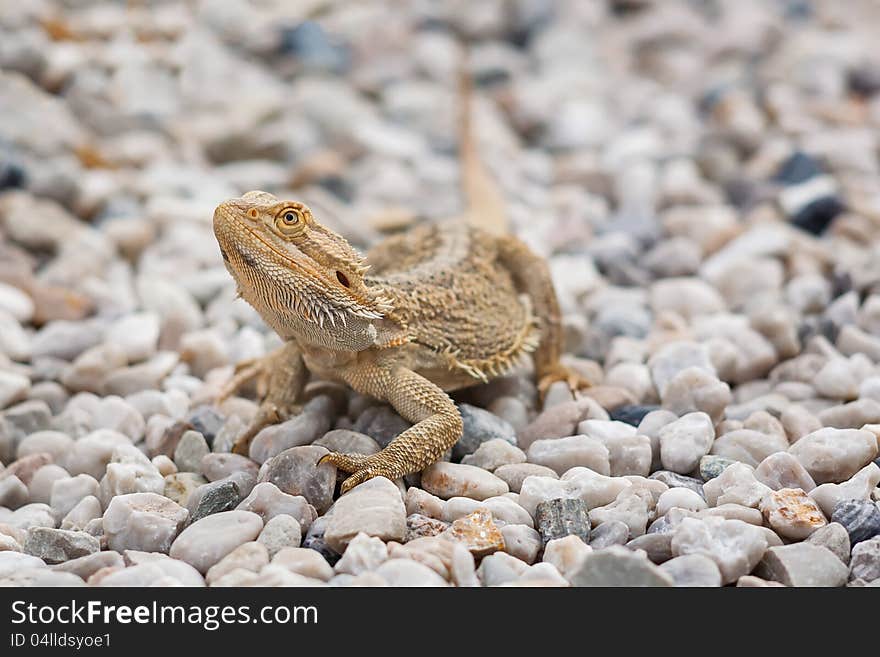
[(485, 203)]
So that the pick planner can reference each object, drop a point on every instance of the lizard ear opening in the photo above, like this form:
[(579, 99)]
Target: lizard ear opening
[(342, 278)]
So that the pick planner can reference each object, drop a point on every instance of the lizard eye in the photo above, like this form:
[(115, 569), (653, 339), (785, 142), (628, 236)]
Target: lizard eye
[(289, 222), (290, 218), (342, 278)]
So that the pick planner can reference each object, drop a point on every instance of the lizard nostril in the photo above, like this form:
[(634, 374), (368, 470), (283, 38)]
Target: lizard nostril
[(342, 278)]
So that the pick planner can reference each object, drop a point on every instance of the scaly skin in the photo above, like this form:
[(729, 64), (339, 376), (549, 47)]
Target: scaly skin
[(445, 306)]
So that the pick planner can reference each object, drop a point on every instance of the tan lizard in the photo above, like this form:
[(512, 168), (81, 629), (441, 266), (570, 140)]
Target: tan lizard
[(443, 306)]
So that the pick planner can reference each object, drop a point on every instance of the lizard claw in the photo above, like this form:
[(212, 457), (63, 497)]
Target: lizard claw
[(562, 373), (244, 373), (359, 465)]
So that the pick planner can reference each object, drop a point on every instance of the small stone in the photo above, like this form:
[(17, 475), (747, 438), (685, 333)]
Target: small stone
[(298, 431), (782, 470), (86, 510), (865, 560), (562, 454), (629, 507), (447, 480), (215, 466), (675, 480), (516, 473), (58, 545), (500, 568), (563, 517), (734, 546), (406, 572), (480, 426), (348, 442), (40, 488), (803, 564), (66, 493), (296, 471), (215, 497), (381, 424), (91, 453), (618, 566), (268, 501), (280, 532), (692, 570), (522, 542), (612, 532), (251, 556), (696, 390), (419, 526), (860, 518), (142, 521), (374, 507), (852, 415), (189, 452), (13, 493), (859, 487), (130, 472), (657, 545), (791, 514), (89, 564), (682, 498), (556, 422), (208, 540), (363, 554), (305, 562), (736, 485), (748, 446), (835, 455), (477, 532), (566, 554), (493, 454), (834, 537), (13, 388), (422, 502), (684, 442), (179, 487)]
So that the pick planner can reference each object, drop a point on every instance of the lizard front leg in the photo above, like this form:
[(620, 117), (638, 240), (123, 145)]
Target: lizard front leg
[(282, 377), (437, 424)]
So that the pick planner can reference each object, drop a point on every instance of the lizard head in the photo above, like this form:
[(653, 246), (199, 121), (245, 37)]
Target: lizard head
[(306, 281)]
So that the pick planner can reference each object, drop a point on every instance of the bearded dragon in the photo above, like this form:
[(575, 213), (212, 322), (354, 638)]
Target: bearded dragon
[(440, 307)]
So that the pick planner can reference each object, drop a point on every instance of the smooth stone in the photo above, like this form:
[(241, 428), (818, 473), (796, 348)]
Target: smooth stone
[(834, 455), (40, 488), (682, 498), (268, 501), (40, 577), (32, 515), (791, 513), (515, 474), (14, 388), (858, 487), (55, 443), (407, 573), (522, 542), (305, 562), (130, 472), (748, 446), (91, 453), (692, 570), (480, 426), (296, 471), (696, 390), (66, 493), (505, 511), (280, 532), (566, 554), (494, 453), (860, 518), (374, 507), (803, 564), (612, 532), (143, 521), (447, 480), (628, 452), (618, 566), (562, 454), (735, 547), (675, 357), (87, 565), (562, 517), (852, 415), (500, 568), (216, 466), (298, 431), (782, 470), (632, 414), (423, 503), (180, 486), (13, 493), (345, 441), (658, 546), (834, 537), (556, 422), (252, 556), (58, 545), (381, 423), (205, 542), (189, 452), (364, 553)]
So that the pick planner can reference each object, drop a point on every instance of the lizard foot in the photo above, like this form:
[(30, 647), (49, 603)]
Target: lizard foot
[(361, 468), (562, 373), (267, 414), (245, 372)]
